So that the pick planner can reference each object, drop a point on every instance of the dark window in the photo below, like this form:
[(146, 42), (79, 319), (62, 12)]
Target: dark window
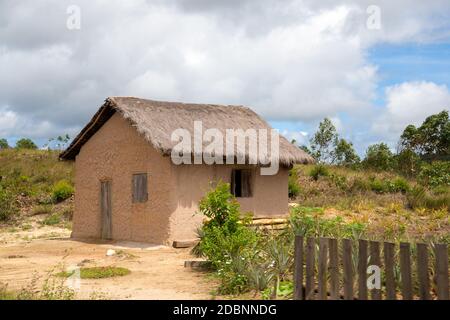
[(241, 183), (140, 193)]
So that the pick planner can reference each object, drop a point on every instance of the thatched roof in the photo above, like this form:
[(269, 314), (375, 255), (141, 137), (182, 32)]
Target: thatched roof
[(156, 120)]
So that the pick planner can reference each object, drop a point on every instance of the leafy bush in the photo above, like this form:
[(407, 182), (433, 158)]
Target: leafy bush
[(309, 222), (389, 186), (8, 206), (52, 220), (4, 144), (98, 272), (379, 157), (62, 191), (435, 174), (293, 186), (225, 241), (319, 171), (25, 143), (419, 197)]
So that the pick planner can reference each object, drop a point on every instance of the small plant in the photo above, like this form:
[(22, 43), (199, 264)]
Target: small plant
[(319, 171), (293, 186), (8, 207), (62, 191), (435, 174), (42, 209), (98, 272), (226, 240), (52, 219)]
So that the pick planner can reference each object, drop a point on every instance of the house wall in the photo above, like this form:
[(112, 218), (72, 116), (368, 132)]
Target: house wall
[(115, 152), (270, 195)]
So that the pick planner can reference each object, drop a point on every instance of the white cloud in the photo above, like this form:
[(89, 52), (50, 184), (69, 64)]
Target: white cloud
[(410, 103), (293, 60)]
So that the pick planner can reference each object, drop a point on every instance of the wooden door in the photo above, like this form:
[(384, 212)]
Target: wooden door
[(106, 210)]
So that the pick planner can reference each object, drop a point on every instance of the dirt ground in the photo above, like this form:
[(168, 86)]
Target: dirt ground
[(157, 272)]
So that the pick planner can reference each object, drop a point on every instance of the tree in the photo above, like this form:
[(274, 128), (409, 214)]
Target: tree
[(431, 139), (4, 144), (344, 153), (25, 143), (324, 140), (379, 156)]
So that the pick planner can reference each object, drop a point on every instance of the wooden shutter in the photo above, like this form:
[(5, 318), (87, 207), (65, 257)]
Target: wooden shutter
[(232, 183), (106, 209), (140, 192), (246, 183)]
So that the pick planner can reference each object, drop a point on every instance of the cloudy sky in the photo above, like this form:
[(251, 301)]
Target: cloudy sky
[(371, 66)]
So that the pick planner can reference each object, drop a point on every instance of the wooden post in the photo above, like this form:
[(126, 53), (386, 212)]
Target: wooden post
[(362, 270), (334, 269), (389, 268), (348, 269), (322, 277), (298, 268), (442, 271), (375, 261), (405, 270), (422, 271), (310, 262)]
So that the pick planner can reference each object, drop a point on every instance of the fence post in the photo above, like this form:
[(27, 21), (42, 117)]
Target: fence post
[(422, 271), (405, 270), (375, 260), (389, 254), (348, 269), (310, 262), (442, 271), (322, 277), (362, 270), (298, 268), (334, 269)]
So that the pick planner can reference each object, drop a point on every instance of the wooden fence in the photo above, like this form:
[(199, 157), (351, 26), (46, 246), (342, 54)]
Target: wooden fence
[(340, 270)]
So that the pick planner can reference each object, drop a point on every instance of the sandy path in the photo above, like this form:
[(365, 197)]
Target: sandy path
[(156, 272)]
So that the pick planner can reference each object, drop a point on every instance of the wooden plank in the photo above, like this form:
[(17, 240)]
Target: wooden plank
[(442, 272), (106, 210), (185, 243), (298, 269), (334, 269), (422, 271), (310, 262), (362, 270), (405, 271), (322, 277), (375, 261), (389, 254), (197, 264), (348, 269)]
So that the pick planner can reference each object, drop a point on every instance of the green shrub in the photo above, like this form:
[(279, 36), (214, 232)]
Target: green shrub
[(419, 197), (225, 241), (52, 220), (8, 207), (62, 191), (25, 143), (319, 171), (379, 157), (435, 174), (293, 186), (98, 272), (360, 184)]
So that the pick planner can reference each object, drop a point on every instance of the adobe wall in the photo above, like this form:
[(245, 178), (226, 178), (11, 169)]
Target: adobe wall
[(270, 195), (115, 152)]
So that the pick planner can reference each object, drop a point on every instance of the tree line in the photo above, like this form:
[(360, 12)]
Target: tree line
[(428, 142)]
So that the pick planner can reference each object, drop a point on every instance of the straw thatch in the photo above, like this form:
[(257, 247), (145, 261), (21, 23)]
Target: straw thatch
[(156, 120)]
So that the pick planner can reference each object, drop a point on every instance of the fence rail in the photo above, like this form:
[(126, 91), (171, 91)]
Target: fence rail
[(330, 269)]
